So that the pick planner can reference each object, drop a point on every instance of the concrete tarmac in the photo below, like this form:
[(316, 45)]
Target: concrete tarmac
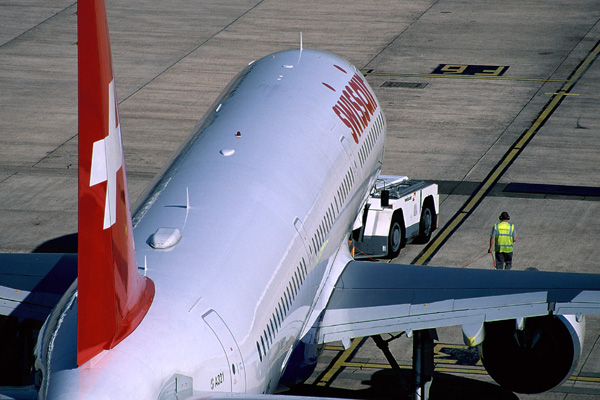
[(497, 102)]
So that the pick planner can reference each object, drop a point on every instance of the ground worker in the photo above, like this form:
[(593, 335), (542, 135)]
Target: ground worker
[(503, 236)]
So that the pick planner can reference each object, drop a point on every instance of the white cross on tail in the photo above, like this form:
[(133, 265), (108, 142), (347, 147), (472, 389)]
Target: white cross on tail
[(107, 159)]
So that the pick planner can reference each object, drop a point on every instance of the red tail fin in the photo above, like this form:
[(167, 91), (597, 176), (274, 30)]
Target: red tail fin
[(113, 297)]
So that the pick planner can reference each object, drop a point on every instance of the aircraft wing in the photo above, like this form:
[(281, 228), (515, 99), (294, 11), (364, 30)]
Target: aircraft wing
[(31, 284), (374, 298)]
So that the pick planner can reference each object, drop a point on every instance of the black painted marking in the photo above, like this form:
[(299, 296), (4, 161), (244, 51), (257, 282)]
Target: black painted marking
[(474, 70), (405, 85), (553, 189)]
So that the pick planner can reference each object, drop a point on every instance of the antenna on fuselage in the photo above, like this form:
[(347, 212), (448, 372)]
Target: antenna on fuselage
[(187, 205), (187, 198), (300, 55)]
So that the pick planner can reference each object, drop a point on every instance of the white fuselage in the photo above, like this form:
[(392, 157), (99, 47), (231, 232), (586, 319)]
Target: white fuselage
[(264, 194)]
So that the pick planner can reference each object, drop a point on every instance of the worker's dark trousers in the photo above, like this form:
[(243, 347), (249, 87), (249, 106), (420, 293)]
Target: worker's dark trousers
[(502, 259)]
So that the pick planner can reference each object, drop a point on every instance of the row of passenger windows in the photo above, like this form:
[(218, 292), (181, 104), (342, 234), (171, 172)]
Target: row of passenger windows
[(334, 209), (346, 186), (370, 140), (283, 308)]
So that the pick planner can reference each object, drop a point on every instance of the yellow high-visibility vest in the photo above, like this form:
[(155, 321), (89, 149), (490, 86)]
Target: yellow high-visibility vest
[(504, 237)]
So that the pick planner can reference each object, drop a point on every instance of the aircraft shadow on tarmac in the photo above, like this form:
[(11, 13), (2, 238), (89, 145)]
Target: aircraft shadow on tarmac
[(388, 384), (61, 244)]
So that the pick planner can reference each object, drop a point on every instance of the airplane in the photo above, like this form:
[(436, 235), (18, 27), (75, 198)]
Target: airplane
[(233, 268)]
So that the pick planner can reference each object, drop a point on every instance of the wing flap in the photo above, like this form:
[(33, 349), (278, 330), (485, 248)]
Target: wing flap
[(372, 298)]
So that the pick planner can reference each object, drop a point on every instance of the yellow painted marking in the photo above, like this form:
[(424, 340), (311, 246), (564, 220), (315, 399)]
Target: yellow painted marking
[(575, 94), (438, 368), (339, 363), (361, 365), (449, 346), (491, 72), (454, 69), (564, 94), (370, 365), (508, 158), (462, 370), (441, 237), (456, 76), (445, 360), (585, 379)]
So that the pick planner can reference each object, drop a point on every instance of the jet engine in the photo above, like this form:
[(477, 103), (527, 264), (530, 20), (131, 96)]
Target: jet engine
[(534, 357)]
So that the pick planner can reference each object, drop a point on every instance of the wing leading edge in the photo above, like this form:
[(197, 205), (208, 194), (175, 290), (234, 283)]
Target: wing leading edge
[(371, 298)]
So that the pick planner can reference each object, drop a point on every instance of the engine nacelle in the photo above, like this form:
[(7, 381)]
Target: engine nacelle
[(534, 358)]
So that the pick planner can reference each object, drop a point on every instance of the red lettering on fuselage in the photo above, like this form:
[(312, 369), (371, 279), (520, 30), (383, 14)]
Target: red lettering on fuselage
[(359, 86), (346, 116), (356, 106)]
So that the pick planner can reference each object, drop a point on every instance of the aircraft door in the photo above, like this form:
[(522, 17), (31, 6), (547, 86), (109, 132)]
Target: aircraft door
[(350, 154), (237, 372), (300, 229)]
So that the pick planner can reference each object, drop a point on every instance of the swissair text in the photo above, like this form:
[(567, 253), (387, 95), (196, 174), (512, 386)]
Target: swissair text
[(355, 106)]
